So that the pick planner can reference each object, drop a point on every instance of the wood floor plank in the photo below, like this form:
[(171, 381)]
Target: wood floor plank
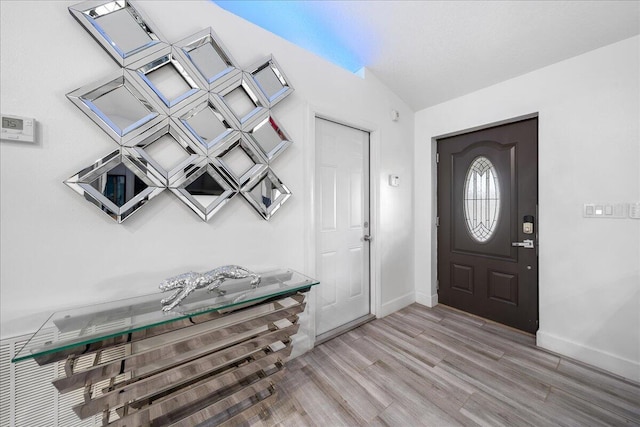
[(510, 334), (497, 380), (487, 411), (440, 338), (352, 335), (447, 396), (406, 328), (407, 400), (441, 367), (357, 397), (346, 353), (424, 312), (451, 313), (502, 343), (323, 404), (621, 406), (569, 411), (594, 377), (390, 342)]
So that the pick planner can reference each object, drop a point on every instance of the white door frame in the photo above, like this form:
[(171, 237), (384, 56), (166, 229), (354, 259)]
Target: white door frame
[(309, 156)]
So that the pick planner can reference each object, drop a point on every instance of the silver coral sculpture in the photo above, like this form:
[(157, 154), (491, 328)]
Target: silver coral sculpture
[(184, 284)]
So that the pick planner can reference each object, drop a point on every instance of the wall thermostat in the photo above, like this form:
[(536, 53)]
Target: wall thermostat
[(16, 128)]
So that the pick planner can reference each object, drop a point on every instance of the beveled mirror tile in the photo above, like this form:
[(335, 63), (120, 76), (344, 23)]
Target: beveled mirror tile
[(205, 123), (269, 136), (120, 28), (210, 61), (165, 78), (269, 78), (266, 194), (203, 189), (239, 160), (168, 149), (118, 184), (240, 99), (118, 107)]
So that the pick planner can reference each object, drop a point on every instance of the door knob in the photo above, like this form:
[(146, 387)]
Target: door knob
[(367, 238), (527, 243)]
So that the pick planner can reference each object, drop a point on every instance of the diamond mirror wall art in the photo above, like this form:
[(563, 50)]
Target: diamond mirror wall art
[(267, 195), (203, 189), (185, 117), (122, 30), (271, 81), (205, 123), (164, 77), (118, 184), (208, 59), (118, 107)]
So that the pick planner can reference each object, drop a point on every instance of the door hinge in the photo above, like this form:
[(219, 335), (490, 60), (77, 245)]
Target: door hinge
[(437, 157), (437, 285), (437, 221)]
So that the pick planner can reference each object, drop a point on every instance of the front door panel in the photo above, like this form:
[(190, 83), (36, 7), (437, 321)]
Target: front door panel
[(487, 187)]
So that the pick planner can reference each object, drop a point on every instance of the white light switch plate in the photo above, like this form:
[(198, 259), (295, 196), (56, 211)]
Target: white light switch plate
[(605, 210)]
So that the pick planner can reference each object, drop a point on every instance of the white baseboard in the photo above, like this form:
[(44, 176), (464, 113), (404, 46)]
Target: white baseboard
[(601, 359), (396, 304), (427, 300)]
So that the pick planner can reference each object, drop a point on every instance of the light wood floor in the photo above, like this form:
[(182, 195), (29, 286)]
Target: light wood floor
[(440, 367)]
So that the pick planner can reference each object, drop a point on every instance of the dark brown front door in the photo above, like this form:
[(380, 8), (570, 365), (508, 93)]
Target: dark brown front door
[(487, 246)]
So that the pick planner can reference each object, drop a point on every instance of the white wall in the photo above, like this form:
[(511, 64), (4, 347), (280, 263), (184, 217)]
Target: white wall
[(589, 151), (60, 251)]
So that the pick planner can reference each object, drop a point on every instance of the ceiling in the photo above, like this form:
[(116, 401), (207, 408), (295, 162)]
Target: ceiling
[(428, 52)]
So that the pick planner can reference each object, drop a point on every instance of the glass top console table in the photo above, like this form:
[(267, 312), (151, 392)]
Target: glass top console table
[(214, 359)]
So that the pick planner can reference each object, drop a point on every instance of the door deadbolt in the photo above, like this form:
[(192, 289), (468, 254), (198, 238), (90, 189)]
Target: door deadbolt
[(527, 224)]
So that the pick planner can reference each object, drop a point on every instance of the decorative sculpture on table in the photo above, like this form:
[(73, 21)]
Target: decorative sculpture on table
[(184, 284)]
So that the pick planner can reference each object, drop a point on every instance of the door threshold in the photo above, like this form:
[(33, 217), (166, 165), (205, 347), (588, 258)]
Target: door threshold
[(344, 328)]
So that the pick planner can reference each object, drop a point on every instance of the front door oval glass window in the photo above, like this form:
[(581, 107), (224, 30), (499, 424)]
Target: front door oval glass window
[(481, 199)]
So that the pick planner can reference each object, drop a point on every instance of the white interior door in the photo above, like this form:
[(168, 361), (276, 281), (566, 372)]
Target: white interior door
[(342, 218)]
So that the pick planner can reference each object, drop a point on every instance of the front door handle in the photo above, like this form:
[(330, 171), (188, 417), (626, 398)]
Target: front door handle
[(527, 243), (367, 238)]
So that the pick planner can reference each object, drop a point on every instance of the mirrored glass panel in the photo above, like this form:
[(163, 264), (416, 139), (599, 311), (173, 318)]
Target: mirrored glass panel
[(203, 189), (205, 53), (167, 79), (122, 30), (270, 79), (206, 124), (117, 107), (481, 199), (241, 102), (239, 160), (267, 195), (270, 137), (168, 150), (117, 184)]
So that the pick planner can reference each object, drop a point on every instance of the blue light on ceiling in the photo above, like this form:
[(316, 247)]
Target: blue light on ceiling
[(301, 23)]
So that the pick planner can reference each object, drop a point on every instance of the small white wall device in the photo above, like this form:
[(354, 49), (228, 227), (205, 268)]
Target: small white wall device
[(16, 128)]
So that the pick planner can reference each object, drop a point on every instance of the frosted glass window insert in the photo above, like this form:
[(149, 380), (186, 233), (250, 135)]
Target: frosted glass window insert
[(481, 199)]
